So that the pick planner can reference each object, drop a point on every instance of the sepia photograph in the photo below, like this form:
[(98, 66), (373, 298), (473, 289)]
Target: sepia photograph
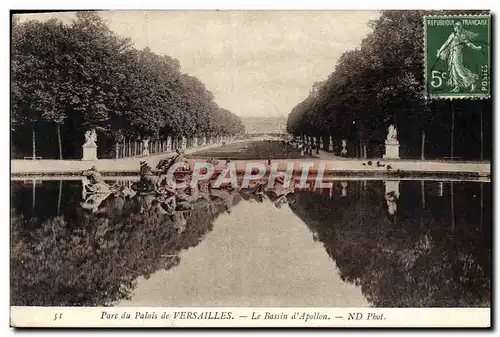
[(251, 168)]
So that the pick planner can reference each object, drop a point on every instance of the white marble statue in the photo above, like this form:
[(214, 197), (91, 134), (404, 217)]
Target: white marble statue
[(344, 147), (91, 138), (392, 135), (145, 147)]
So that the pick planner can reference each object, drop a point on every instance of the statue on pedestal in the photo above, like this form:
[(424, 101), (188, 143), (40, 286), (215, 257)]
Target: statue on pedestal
[(344, 148), (145, 147), (392, 135), (90, 138), (90, 146), (391, 143)]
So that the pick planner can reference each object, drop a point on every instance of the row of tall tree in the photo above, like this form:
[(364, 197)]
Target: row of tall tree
[(67, 79), (382, 83)]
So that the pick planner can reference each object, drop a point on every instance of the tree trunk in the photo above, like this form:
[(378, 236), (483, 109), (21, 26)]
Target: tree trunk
[(34, 143), (59, 198), (117, 150), (422, 148), (33, 191), (364, 151), (326, 143), (361, 147), (59, 141), (422, 187), (482, 206), (452, 209), (422, 211), (123, 149)]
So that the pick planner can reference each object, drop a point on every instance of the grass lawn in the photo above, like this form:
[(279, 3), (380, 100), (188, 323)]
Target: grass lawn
[(261, 149)]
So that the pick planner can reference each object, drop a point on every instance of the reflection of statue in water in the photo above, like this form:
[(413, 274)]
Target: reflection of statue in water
[(281, 194), (392, 195), (93, 201), (168, 204), (226, 195), (459, 77), (91, 138), (344, 188), (392, 135), (179, 221), (93, 182), (95, 190)]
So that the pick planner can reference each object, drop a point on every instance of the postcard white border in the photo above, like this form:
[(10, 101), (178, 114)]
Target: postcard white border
[(206, 317), (312, 4)]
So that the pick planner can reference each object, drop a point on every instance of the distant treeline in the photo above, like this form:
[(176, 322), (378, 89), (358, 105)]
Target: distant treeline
[(67, 79), (382, 83)]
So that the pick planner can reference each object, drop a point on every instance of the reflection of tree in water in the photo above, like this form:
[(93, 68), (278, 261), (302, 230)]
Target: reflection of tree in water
[(412, 261), (93, 254), (93, 259)]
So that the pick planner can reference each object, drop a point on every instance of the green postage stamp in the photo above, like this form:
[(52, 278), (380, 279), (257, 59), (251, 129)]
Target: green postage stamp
[(457, 56)]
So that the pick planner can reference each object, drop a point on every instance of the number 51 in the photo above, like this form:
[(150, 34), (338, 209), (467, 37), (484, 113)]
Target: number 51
[(437, 78)]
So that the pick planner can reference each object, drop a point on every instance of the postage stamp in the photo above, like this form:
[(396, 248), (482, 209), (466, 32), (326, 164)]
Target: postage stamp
[(457, 56)]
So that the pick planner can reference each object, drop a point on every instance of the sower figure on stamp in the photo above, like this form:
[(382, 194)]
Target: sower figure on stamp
[(451, 51)]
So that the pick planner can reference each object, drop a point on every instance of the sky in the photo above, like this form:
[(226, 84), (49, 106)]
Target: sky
[(256, 63)]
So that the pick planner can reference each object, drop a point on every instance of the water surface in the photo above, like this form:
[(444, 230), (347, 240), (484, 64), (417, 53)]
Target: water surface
[(361, 243)]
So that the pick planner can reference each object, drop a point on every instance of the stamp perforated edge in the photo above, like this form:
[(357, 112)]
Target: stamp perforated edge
[(458, 96)]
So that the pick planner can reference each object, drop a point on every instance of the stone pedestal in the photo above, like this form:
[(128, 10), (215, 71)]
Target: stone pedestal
[(89, 152), (392, 187), (391, 151)]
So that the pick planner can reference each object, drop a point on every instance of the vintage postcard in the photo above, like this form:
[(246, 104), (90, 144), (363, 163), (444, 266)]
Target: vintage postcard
[(251, 169)]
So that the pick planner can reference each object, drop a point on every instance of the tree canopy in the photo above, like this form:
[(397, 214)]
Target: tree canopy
[(381, 83), (83, 75)]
